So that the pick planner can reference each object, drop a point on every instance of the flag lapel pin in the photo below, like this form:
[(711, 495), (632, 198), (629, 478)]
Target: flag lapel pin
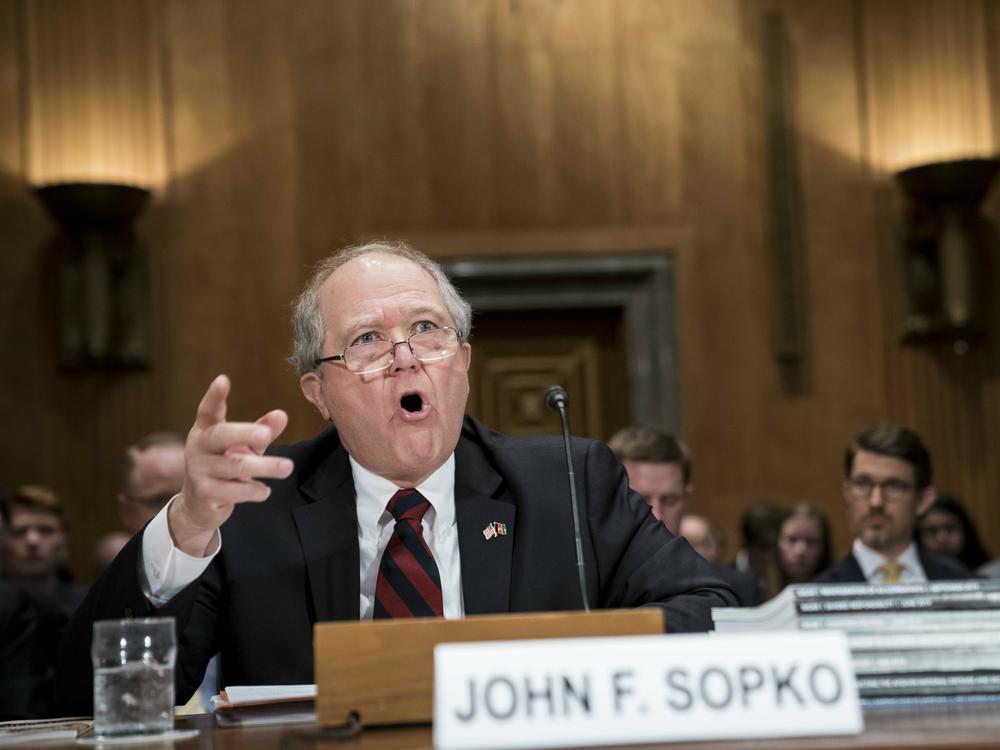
[(490, 531)]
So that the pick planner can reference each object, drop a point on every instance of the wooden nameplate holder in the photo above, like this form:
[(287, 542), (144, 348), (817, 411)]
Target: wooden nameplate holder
[(384, 671)]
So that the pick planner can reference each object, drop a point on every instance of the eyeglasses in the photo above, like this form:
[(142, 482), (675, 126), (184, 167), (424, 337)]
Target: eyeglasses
[(373, 356), (893, 490)]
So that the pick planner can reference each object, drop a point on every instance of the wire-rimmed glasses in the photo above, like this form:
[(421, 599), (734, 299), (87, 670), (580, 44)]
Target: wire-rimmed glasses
[(893, 490), (367, 357)]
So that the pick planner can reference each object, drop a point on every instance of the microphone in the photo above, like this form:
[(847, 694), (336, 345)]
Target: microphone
[(557, 400)]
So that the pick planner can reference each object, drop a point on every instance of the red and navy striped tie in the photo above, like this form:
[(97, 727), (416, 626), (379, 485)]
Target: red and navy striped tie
[(408, 581)]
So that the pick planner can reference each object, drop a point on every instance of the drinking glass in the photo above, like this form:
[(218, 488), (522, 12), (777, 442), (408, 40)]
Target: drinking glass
[(133, 676)]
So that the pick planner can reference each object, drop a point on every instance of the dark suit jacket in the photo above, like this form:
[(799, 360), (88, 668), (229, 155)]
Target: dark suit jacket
[(743, 584), (293, 560), (936, 568), (26, 668)]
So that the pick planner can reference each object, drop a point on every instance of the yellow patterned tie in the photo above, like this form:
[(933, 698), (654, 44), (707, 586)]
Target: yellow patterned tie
[(891, 571)]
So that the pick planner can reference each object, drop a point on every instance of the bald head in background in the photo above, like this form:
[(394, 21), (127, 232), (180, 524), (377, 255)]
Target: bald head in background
[(154, 473), (703, 535)]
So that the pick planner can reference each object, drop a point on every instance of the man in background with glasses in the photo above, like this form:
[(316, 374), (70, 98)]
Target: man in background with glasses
[(887, 482), (405, 507)]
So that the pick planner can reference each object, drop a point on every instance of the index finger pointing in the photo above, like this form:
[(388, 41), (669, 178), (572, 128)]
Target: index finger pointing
[(212, 408)]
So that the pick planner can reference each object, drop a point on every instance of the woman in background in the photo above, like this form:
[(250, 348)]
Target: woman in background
[(803, 544), (945, 528)]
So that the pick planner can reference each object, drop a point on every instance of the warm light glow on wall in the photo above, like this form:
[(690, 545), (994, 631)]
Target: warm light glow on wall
[(939, 140), (926, 82), (95, 106)]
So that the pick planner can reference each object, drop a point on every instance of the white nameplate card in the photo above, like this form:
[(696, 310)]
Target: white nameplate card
[(610, 691)]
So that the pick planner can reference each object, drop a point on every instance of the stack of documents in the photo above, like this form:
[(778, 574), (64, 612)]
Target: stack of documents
[(256, 705), (42, 730), (910, 643)]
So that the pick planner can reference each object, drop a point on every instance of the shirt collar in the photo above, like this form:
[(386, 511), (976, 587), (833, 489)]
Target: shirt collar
[(869, 560), (374, 492)]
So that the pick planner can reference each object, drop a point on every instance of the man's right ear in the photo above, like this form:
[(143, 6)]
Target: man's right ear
[(312, 388)]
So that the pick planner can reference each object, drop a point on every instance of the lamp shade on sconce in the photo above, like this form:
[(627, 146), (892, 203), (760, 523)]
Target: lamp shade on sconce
[(102, 275), (945, 247), (83, 206)]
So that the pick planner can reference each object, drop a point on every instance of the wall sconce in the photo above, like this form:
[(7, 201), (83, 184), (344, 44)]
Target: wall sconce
[(944, 243), (102, 275)]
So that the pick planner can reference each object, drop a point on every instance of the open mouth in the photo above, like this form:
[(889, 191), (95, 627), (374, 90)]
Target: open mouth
[(412, 402)]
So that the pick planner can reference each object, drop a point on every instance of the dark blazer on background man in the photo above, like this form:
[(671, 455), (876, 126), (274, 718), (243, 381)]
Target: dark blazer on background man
[(293, 560), (743, 584), (26, 665), (936, 568)]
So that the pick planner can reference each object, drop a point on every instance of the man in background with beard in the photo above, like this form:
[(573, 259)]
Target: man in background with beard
[(887, 482)]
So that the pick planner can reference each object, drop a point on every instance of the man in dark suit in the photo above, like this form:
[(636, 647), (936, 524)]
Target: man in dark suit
[(25, 664), (381, 343), (659, 469), (887, 481), (34, 546)]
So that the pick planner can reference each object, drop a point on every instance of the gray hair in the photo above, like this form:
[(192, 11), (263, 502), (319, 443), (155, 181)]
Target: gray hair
[(308, 328)]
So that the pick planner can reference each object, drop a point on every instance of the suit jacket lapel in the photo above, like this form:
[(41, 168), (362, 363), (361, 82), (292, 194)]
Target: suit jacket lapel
[(479, 502), (851, 569), (328, 530)]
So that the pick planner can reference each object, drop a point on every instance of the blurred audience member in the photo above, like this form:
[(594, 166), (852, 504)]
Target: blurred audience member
[(153, 472), (658, 469), (759, 525), (25, 672), (36, 600), (803, 544), (944, 528), (25, 683), (702, 534), (887, 478), (706, 538), (34, 548)]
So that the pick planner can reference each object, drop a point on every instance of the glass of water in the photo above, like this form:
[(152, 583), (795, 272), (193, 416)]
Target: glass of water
[(133, 676)]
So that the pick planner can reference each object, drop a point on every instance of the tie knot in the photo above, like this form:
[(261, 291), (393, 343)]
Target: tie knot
[(408, 505), (892, 571)]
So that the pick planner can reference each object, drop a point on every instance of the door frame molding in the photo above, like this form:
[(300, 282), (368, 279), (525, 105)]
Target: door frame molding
[(640, 284)]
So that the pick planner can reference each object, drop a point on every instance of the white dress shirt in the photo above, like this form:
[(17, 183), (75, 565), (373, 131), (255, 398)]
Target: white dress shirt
[(167, 570), (870, 561), (375, 525)]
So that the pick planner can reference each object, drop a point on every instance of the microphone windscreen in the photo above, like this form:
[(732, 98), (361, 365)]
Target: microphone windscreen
[(555, 397)]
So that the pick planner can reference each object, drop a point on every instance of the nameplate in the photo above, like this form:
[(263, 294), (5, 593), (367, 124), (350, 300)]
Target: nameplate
[(608, 691)]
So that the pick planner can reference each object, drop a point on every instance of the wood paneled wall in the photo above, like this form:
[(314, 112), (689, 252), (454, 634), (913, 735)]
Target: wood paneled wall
[(282, 130)]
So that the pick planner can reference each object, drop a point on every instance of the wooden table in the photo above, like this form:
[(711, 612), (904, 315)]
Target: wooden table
[(937, 728)]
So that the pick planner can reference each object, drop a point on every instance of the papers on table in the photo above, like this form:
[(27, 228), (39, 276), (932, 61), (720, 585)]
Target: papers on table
[(910, 643), (18, 732), (256, 705)]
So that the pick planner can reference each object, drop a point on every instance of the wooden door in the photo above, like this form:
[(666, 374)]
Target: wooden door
[(516, 355)]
